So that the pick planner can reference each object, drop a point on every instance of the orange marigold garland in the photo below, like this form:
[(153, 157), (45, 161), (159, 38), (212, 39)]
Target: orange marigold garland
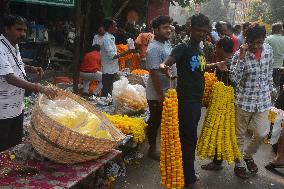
[(134, 58), (171, 156), (140, 72)]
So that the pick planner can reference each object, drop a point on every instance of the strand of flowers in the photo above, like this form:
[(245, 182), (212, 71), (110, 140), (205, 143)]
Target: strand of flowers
[(171, 156), (218, 136), (210, 80)]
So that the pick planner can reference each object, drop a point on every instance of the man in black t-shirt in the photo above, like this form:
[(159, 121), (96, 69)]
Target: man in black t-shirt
[(191, 65)]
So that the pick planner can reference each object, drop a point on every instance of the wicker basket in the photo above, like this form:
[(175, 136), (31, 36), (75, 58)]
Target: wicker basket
[(63, 145), (135, 79)]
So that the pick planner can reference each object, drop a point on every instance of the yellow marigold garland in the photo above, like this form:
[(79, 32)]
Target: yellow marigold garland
[(171, 156), (210, 80), (128, 125), (218, 134)]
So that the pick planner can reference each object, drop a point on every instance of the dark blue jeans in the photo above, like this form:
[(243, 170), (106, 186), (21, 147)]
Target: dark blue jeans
[(189, 116)]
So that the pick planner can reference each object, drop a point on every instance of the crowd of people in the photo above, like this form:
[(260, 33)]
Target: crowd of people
[(244, 56)]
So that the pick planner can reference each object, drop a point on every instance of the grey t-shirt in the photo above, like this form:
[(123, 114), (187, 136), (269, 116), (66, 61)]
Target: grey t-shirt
[(157, 52)]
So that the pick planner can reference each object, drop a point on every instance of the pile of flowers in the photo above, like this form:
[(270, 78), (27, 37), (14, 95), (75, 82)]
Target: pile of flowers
[(128, 125), (140, 72), (171, 156), (218, 133), (210, 80)]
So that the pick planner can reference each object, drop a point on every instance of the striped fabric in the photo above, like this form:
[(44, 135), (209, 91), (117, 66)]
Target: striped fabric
[(11, 97)]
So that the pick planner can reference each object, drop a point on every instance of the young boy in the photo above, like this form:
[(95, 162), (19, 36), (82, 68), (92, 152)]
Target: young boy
[(109, 56), (251, 73), (191, 65), (158, 83)]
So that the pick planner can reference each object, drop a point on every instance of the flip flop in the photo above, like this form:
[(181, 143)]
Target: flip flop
[(273, 168), (212, 167)]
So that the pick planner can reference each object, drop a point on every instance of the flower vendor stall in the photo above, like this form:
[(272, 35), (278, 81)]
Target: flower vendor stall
[(33, 163)]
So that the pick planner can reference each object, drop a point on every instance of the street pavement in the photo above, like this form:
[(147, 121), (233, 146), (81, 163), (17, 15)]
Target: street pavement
[(144, 173)]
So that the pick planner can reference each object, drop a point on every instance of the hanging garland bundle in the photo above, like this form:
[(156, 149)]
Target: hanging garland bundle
[(218, 133), (171, 156)]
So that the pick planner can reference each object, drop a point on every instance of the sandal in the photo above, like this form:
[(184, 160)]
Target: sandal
[(273, 168), (212, 167), (241, 172), (252, 167)]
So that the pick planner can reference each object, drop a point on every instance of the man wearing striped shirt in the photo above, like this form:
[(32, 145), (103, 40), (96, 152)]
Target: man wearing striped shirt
[(251, 72), (13, 82)]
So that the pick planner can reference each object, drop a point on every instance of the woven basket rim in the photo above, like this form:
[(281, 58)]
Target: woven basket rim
[(60, 126)]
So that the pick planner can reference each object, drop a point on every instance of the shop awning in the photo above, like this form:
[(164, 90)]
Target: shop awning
[(62, 3)]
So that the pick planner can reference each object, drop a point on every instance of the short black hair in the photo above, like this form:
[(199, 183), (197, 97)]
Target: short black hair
[(229, 26), (11, 20), (95, 47), (219, 25), (107, 23), (238, 27), (277, 27), (246, 25), (121, 24), (199, 20), (255, 32), (188, 21), (160, 20), (226, 43)]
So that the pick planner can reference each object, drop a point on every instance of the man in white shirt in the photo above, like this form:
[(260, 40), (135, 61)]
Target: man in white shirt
[(109, 57), (13, 82)]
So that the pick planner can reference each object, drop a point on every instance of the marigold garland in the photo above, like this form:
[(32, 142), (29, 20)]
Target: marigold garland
[(210, 80), (128, 125), (171, 156), (134, 58), (218, 133), (140, 72)]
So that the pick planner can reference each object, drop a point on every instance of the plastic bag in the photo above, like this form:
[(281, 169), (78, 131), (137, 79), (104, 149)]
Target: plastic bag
[(276, 131), (128, 99), (76, 117)]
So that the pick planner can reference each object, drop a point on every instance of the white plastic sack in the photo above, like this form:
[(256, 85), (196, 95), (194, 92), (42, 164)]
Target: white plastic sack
[(276, 131), (128, 99)]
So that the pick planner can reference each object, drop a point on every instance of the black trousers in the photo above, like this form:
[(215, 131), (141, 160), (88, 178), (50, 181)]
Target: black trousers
[(107, 81), (154, 121), (11, 132), (189, 116)]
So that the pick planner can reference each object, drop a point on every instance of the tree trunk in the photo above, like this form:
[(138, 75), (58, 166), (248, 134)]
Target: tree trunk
[(121, 9), (78, 47), (94, 18)]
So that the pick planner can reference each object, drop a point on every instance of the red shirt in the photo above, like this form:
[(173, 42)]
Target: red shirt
[(91, 62), (236, 43)]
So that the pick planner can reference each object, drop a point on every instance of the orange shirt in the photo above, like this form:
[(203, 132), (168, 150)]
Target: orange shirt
[(91, 62), (143, 41)]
